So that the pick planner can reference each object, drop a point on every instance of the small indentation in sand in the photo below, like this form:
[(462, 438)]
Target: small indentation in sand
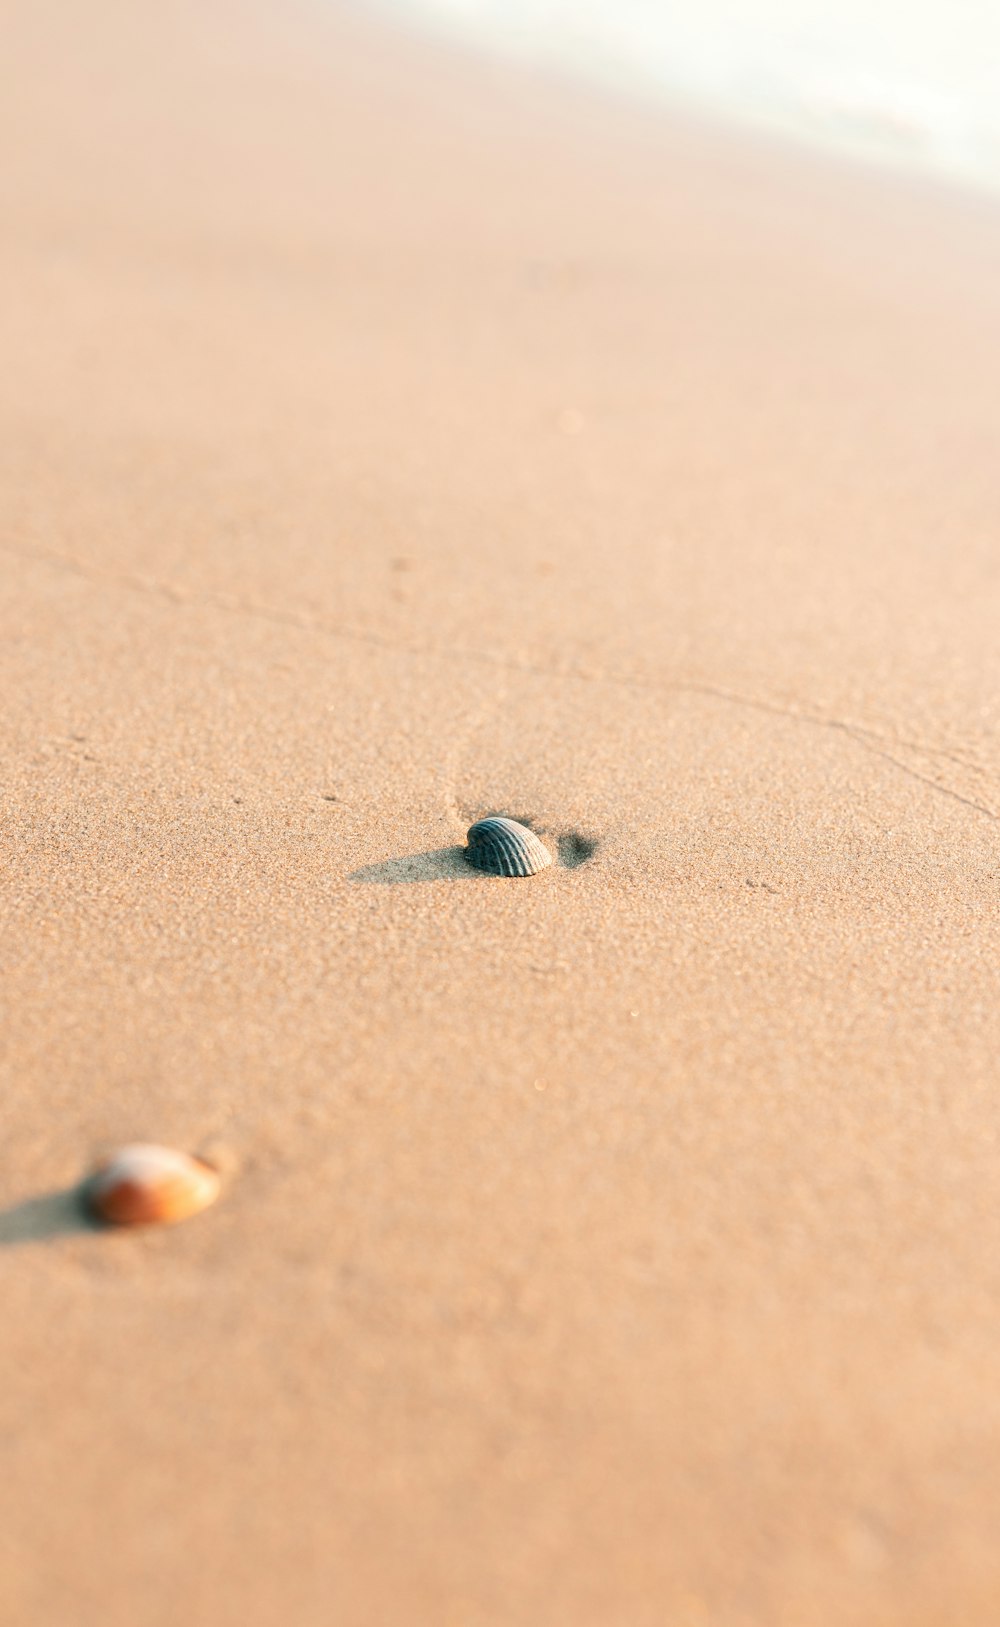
[(575, 849), (219, 1155)]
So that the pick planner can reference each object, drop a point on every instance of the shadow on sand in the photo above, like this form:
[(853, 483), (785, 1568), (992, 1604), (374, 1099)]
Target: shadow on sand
[(438, 864), (54, 1214)]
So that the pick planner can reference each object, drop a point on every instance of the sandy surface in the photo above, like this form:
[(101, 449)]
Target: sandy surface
[(385, 440)]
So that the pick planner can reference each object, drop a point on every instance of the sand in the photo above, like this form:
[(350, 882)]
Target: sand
[(388, 437)]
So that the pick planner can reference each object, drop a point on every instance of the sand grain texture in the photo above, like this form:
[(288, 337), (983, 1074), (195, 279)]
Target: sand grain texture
[(387, 439)]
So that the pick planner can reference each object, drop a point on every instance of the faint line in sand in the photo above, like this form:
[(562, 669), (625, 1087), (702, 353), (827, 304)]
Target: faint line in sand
[(872, 740)]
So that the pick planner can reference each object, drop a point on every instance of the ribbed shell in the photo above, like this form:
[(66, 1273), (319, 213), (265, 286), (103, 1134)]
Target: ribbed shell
[(144, 1185), (502, 847)]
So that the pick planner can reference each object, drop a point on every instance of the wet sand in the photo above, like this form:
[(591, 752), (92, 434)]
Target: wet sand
[(387, 438)]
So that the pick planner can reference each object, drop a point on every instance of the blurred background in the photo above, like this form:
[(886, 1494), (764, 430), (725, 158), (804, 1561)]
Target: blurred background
[(913, 83)]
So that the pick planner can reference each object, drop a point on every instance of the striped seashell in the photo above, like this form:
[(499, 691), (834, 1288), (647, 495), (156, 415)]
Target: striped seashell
[(504, 848), (144, 1185)]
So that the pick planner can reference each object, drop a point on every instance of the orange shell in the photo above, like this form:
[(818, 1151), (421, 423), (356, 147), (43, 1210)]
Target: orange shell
[(144, 1185)]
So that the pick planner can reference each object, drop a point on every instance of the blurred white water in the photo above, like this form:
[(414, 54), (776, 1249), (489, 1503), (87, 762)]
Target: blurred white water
[(912, 82)]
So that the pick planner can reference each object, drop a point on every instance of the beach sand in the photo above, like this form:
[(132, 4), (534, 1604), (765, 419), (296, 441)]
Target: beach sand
[(389, 437)]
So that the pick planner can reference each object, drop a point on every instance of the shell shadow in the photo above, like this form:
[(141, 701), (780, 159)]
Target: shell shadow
[(437, 864), (575, 849), (36, 1220)]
